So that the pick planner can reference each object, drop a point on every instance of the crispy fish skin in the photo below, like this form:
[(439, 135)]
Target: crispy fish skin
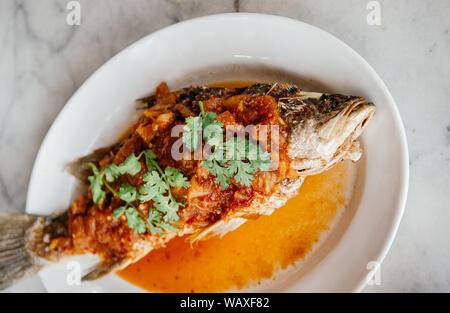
[(323, 130)]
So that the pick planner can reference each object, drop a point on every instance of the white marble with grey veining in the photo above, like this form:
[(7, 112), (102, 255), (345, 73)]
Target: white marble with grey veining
[(43, 61)]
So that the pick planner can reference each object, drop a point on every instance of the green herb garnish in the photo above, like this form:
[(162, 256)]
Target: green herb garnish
[(110, 172), (205, 122), (237, 157), (156, 188)]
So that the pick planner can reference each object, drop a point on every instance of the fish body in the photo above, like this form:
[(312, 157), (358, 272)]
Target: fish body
[(316, 131)]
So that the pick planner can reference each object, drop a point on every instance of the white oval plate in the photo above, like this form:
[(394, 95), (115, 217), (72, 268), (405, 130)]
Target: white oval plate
[(237, 47)]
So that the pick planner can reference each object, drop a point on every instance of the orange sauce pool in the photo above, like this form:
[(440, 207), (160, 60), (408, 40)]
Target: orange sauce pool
[(253, 252)]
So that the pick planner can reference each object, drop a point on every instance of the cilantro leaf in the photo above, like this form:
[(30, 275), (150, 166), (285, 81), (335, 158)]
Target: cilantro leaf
[(218, 171), (168, 206), (153, 218), (161, 203), (153, 187), (128, 193), (209, 120), (213, 134), (242, 172), (111, 172), (154, 180), (234, 148), (207, 123), (119, 211), (175, 178), (191, 135), (150, 157), (96, 181), (135, 221), (147, 193), (131, 165), (154, 229), (172, 211), (157, 188)]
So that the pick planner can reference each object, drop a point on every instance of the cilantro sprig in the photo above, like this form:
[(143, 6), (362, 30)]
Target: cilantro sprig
[(205, 122), (157, 188), (237, 158), (111, 172)]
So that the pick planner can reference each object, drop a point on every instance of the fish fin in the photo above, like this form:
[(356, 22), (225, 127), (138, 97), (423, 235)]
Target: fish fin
[(219, 228), (16, 260), (105, 267), (80, 168)]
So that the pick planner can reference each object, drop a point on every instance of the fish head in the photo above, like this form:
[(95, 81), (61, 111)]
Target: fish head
[(324, 128)]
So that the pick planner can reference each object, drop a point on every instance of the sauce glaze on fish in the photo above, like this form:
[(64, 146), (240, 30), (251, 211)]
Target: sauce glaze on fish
[(316, 131)]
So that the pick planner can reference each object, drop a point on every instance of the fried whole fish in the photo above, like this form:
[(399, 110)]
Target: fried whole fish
[(316, 131)]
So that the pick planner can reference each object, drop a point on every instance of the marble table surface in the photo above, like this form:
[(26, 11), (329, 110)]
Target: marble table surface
[(43, 61)]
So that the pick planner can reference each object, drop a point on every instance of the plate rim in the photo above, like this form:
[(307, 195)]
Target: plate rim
[(403, 149)]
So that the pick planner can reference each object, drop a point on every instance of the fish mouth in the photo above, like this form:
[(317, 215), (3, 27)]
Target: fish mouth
[(319, 143)]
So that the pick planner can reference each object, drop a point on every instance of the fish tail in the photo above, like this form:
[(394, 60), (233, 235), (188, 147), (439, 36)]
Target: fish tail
[(16, 259)]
